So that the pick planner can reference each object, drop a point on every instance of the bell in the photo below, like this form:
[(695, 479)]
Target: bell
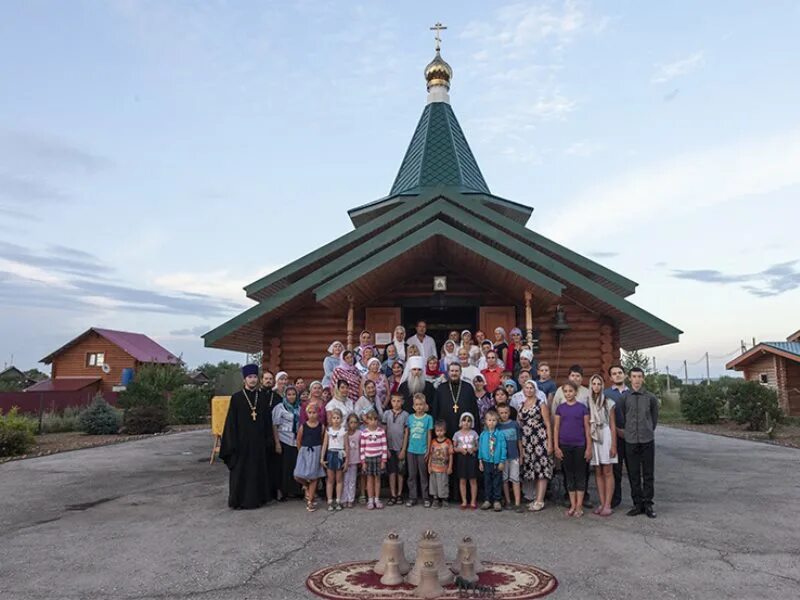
[(468, 547), (391, 574), (429, 586), (392, 547), (430, 549), (467, 570)]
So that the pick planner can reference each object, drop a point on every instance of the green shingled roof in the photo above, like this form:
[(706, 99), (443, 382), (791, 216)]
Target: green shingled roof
[(439, 155)]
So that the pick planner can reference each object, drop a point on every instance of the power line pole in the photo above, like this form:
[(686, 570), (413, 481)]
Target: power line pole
[(708, 371), (668, 390), (685, 373), (655, 368)]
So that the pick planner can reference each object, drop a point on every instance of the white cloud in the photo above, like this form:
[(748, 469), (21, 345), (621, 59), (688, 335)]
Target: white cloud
[(670, 71), (684, 183), (583, 148), (221, 283)]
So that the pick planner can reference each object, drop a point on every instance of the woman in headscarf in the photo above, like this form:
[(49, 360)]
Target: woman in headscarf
[(374, 375), (367, 354), (449, 355), (347, 371), (537, 442), (500, 345), (364, 340), (433, 371), (399, 343), (604, 443), (331, 361), (473, 351), (285, 421), (281, 381), (514, 348), (390, 357), (314, 397)]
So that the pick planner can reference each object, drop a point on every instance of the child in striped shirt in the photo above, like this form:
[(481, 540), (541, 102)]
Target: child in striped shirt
[(374, 453)]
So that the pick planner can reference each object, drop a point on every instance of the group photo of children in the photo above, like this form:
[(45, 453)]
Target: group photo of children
[(479, 425)]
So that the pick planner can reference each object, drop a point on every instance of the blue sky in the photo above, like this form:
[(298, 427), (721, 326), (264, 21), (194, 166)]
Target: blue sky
[(155, 157)]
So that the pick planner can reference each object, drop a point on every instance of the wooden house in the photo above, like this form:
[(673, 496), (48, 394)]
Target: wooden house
[(101, 360), (441, 247), (777, 365), (13, 378)]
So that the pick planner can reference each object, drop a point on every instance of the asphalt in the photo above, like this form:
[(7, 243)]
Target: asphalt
[(148, 519)]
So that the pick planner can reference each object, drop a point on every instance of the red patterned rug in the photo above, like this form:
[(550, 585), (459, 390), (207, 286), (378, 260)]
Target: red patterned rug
[(356, 580)]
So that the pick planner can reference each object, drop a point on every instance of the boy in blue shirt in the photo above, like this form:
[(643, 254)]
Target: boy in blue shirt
[(511, 430), (491, 460), (419, 425)]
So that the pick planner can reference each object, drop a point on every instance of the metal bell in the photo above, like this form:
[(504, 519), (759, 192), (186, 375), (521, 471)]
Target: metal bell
[(468, 547), (392, 575), (430, 549), (392, 547), (429, 586)]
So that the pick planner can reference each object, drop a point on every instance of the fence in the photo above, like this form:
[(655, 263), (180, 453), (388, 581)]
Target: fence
[(38, 402)]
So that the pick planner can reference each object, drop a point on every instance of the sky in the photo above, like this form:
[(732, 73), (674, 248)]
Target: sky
[(157, 156)]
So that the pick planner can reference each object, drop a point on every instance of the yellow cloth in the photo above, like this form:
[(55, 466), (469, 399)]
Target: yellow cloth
[(219, 410)]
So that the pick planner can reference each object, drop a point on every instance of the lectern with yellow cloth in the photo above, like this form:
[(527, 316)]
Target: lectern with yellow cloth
[(219, 411)]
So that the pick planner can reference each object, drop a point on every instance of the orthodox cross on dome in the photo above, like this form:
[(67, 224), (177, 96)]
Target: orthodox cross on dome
[(438, 27)]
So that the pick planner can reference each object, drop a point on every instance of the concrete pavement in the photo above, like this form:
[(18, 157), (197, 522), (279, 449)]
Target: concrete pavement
[(148, 519)]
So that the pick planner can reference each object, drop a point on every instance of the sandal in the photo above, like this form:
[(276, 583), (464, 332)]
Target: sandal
[(310, 507), (391, 501), (537, 506), (570, 512), (578, 513)]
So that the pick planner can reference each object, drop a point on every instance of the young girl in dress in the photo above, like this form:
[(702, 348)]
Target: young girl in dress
[(309, 444), (465, 445), (603, 428), (573, 445), (333, 457), (374, 454), (351, 460)]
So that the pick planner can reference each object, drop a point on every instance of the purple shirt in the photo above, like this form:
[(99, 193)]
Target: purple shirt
[(570, 431)]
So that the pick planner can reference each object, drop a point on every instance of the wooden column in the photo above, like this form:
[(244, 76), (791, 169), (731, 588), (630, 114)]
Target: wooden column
[(350, 320), (529, 316)]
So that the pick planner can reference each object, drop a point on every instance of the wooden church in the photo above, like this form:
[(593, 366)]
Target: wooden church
[(443, 248)]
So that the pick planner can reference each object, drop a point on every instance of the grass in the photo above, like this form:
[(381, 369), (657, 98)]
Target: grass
[(670, 411)]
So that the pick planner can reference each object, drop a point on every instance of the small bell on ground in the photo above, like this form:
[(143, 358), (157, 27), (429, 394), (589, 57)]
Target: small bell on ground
[(392, 547), (429, 586), (467, 571), (430, 549), (468, 547), (391, 574)]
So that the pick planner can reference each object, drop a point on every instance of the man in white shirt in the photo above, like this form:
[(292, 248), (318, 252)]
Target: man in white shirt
[(425, 343)]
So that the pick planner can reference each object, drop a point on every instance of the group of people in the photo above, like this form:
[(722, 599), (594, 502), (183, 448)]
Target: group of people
[(437, 425)]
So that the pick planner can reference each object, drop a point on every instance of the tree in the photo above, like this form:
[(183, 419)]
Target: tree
[(635, 359), (36, 375)]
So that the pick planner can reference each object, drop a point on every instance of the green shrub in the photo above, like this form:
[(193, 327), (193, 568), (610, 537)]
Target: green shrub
[(144, 419), (66, 420), (100, 418), (701, 404), (16, 433), (189, 405), (751, 402)]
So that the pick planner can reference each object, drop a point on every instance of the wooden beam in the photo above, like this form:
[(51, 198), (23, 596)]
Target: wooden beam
[(529, 316), (350, 320)]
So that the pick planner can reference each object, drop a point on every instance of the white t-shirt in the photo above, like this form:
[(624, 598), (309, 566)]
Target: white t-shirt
[(345, 407), (427, 346), (336, 438)]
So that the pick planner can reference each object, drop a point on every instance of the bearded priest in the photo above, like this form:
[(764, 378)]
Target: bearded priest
[(454, 398), (245, 442)]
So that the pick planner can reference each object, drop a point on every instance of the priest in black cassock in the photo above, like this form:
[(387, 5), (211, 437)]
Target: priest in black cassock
[(454, 398), (245, 442)]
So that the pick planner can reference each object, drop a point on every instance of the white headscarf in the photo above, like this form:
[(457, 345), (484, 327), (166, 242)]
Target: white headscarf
[(449, 357), (333, 343)]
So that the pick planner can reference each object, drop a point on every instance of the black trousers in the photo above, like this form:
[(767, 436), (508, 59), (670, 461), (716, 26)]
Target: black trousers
[(616, 498), (574, 466), (641, 472), (492, 482), (585, 482)]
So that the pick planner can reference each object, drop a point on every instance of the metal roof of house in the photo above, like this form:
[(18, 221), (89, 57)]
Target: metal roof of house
[(138, 345), (790, 350), (63, 384)]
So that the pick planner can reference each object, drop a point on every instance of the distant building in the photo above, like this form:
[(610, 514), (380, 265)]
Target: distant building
[(12, 377), (777, 365), (101, 360)]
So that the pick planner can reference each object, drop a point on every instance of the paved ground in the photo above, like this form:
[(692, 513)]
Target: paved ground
[(148, 519)]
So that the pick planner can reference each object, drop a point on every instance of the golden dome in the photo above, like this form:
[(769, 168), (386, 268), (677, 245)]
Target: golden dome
[(438, 72)]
